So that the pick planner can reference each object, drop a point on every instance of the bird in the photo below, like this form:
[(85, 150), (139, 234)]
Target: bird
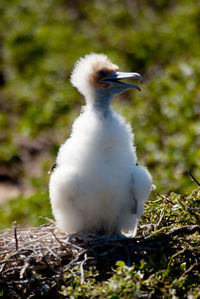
[(97, 186)]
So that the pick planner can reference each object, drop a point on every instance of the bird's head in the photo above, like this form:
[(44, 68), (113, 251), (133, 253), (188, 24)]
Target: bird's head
[(95, 74)]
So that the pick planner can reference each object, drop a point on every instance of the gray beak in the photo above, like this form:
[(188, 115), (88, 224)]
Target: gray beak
[(115, 78)]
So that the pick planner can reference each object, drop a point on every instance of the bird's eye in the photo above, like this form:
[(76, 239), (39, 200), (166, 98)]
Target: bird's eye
[(102, 73)]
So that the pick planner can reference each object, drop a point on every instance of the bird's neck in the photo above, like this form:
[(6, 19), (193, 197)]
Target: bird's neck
[(100, 103)]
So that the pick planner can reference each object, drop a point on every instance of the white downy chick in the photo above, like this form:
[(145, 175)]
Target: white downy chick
[(97, 185)]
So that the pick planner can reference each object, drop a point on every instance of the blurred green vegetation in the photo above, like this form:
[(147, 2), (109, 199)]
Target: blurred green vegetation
[(39, 44)]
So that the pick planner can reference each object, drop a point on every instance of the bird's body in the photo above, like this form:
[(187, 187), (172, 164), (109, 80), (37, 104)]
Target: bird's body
[(97, 186)]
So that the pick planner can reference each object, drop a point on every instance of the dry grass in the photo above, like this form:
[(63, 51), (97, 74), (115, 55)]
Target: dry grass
[(35, 260)]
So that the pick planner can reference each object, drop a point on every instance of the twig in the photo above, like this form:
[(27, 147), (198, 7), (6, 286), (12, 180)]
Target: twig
[(188, 229), (161, 217), (11, 260), (173, 257), (15, 235), (75, 260), (82, 269), (191, 175), (189, 269), (44, 256), (193, 209), (61, 244), (23, 270), (165, 198)]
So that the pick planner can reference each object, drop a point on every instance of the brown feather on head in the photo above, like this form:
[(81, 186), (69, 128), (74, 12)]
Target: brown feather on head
[(101, 72)]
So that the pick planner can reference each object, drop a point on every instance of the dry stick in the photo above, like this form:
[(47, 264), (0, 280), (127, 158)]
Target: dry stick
[(161, 217), (82, 269), (74, 260), (165, 198), (15, 235), (23, 270), (61, 243), (12, 260), (187, 229), (190, 269), (191, 175)]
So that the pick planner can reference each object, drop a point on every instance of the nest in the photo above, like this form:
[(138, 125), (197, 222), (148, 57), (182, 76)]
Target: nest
[(34, 260)]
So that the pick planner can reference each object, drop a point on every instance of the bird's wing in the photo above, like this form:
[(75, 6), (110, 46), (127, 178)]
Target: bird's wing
[(134, 203), (52, 168)]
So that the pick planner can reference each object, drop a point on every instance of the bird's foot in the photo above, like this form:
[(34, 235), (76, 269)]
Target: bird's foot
[(118, 236)]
